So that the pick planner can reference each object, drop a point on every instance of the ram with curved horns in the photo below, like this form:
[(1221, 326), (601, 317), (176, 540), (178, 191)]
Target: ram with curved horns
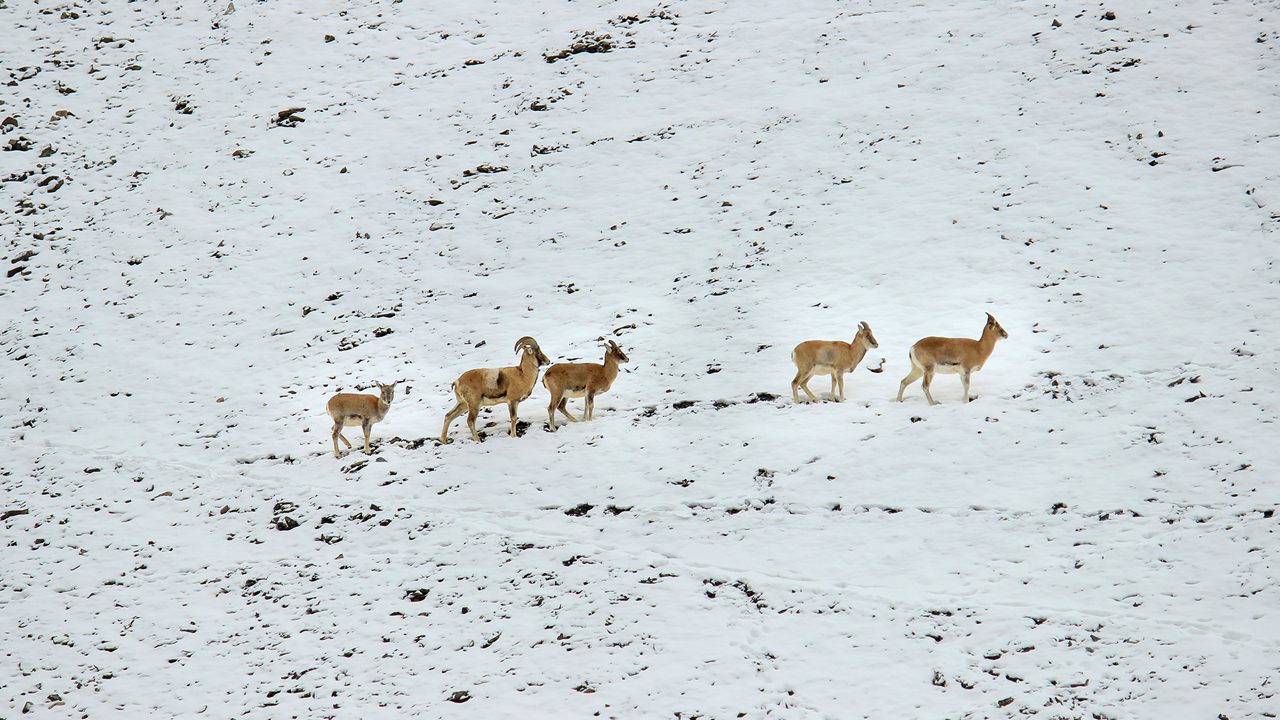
[(477, 388)]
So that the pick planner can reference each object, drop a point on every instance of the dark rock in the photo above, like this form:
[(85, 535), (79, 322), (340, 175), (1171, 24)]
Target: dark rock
[(585, 42), (289, 117)]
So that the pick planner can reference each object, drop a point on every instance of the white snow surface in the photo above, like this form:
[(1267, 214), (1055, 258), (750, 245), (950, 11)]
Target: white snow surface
[(1095, 536)]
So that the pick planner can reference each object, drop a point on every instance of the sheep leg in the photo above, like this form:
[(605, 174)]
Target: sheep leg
[(551, 411), (928, 380), (337, 434), (805, 387), (796, 383), (449, 417), (801, 382), (911, 377), (564, 408)]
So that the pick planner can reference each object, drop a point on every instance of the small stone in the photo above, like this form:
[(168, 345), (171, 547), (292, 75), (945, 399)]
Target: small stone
[(289, 117)]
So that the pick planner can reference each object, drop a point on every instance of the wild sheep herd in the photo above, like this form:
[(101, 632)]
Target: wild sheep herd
[(479, 387)]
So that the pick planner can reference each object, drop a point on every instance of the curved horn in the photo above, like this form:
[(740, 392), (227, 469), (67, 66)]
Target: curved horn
[(863, 324), (990, 318), (526, 340)]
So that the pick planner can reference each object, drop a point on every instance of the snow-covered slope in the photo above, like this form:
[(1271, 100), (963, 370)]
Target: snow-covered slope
[(191, 272)]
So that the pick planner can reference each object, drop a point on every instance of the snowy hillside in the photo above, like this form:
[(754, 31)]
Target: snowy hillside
[(216, 216)]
